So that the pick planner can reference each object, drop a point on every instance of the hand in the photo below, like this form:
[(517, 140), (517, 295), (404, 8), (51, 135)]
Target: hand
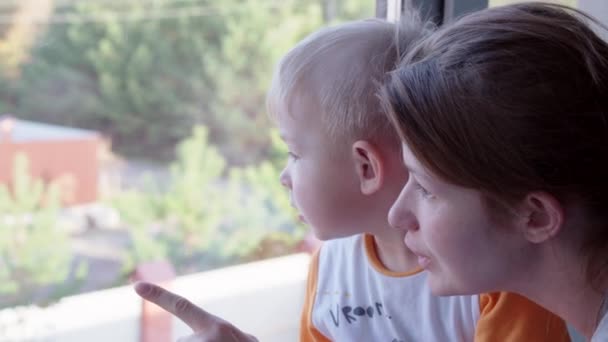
[(206, 327)]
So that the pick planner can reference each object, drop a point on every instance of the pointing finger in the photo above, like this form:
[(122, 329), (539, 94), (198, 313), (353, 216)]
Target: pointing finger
[(196, 318)]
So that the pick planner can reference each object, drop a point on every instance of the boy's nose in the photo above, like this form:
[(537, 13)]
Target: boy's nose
[(285, 179)]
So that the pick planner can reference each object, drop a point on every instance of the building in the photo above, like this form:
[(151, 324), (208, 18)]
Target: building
[(56, 153)]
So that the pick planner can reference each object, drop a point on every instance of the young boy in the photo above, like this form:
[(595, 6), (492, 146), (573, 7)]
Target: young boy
[(344, 173)]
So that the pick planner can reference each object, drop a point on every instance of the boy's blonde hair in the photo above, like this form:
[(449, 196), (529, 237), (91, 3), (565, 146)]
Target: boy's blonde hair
[(339, 68)]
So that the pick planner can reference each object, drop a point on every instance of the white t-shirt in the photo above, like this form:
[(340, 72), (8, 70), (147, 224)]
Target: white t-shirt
[(351, 296)]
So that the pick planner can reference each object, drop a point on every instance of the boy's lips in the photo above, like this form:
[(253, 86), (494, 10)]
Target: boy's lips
[(300, 217)]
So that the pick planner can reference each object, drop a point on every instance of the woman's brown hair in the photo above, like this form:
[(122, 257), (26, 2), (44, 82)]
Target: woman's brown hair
[(510, 100)]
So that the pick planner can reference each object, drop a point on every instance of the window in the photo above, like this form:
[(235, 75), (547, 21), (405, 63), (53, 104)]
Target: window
[(136, 130), (572, 3)]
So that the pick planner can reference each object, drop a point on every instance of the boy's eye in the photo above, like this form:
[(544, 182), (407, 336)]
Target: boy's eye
[(292, 156)]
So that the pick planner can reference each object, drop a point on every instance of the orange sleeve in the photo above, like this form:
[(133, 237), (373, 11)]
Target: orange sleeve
[(508, 317), (308, 332)]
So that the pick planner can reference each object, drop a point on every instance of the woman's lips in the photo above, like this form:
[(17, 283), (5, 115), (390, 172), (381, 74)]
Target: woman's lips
[(424, 261)]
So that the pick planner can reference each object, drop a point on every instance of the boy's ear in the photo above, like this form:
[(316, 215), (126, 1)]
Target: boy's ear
[(369, 166), (542, 216)]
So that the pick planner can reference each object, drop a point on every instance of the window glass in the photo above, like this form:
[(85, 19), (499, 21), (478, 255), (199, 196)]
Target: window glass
[(134, 131)]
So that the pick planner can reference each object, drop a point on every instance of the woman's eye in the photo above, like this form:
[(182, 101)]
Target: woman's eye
[(424, 192)]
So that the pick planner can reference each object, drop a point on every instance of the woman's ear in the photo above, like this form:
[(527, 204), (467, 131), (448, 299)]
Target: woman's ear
[(543, 216), (369, 166)]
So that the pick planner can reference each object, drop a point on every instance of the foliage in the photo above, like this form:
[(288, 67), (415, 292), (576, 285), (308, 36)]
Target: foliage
[(256, 36), (147, 79), (174, 222), (144, 73), (264, 209), (34, 250), (203, 218), (142, 82)]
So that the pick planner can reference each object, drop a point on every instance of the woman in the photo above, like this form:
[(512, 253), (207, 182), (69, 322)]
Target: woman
[(503, 117)]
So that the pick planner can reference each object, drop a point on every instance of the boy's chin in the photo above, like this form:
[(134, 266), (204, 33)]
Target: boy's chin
[(323, 236), (328, 235)]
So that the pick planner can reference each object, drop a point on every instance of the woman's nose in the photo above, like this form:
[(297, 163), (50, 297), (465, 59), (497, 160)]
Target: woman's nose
[(401, 217)]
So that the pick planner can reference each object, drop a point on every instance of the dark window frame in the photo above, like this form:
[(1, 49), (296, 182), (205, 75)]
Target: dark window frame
[(440, 11)]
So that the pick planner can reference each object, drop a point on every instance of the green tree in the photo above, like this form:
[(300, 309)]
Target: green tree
[(143, 82), (147, 76), (265, 217), (178, 222), (34, 250), (203, 219), (256, 35), (147, 80)]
